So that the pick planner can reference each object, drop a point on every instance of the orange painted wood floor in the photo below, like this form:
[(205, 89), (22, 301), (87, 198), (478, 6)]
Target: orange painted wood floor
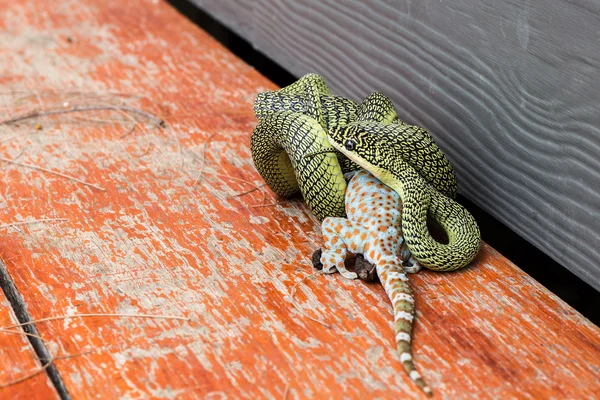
[(107, 211)]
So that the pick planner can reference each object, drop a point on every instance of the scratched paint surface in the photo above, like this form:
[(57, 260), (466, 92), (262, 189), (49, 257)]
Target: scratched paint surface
[(18, 360), (152, 242)]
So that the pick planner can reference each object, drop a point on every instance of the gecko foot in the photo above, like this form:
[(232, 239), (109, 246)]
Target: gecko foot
[(410, 265), (364, 269), (316, 259)]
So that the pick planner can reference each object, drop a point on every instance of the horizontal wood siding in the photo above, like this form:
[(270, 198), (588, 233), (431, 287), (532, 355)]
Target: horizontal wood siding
[(510, 90)]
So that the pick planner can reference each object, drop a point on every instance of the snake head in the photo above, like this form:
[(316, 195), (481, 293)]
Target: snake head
[(361, 144), (345, 137), (396, 149)]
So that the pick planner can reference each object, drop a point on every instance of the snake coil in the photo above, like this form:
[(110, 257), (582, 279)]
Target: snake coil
[(307, 138)]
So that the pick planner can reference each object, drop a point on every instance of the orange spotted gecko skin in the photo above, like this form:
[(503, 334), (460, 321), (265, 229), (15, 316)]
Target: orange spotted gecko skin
[(373, 228)]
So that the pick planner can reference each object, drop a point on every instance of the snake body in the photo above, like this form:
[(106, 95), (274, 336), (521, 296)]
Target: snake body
[(280, 159), (292, 151), (371, 146)]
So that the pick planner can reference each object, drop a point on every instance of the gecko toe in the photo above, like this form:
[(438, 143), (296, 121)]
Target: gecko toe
[(364, 269), (316, 259)]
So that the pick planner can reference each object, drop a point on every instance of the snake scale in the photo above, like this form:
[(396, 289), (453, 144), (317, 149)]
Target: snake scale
[(307, 138)]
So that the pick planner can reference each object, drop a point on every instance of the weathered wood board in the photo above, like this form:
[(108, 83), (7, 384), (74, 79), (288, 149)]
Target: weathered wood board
[(18, 360), (166, 231), (510, 91)]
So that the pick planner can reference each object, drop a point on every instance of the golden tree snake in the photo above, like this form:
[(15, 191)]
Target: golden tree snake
[(307, 138)]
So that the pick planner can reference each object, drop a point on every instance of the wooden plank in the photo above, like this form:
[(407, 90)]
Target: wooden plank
[(508, 89), (153, 242), (18, 361)]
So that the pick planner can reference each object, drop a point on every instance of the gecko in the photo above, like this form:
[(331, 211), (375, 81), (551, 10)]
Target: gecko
[(373, 229)]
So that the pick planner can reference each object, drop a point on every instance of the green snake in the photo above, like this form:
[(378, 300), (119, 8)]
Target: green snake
[(307, 138)]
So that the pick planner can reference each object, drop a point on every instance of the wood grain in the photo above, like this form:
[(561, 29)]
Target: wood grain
[(508, 89), (260, 325)]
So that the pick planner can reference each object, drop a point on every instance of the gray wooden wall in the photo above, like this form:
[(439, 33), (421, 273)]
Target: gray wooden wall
[(509, 89)]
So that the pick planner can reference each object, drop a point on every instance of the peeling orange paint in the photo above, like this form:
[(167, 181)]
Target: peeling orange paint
[(152, 242), (19, 360)]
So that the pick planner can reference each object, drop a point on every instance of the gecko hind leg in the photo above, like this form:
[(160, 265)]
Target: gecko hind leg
[(339, 238), (409, 264)]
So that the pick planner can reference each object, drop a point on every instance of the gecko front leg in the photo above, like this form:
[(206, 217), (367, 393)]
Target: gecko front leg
[(339, 239), (364, 270)]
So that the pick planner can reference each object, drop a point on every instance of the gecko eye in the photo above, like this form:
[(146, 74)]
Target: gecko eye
[(350, 145)]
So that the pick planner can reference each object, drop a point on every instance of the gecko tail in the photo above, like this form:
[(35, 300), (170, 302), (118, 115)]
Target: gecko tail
[(412, 372), (395, 282)]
